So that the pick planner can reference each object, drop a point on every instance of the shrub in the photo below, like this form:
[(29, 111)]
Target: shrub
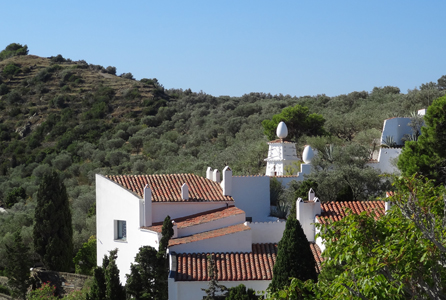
[(45, 292), (58, 58), (127, 76), (11, 69), (4, 89), (43, 76), (13, 98), (13, 50), (111, 70)]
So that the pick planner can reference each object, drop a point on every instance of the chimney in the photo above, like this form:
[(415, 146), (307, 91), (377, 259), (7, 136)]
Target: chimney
[(209, 173), (317, 207), (310, 195), (175, 229), (184, 192), (147, 206), (226, 184), (216, 176)]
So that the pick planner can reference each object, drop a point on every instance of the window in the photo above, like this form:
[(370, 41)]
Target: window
[(120, 230)]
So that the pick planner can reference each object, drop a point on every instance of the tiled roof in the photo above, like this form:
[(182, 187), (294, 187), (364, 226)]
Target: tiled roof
[(209, 234), (167, 188), (278, 141), (204, 217), (255, 265), (336, 210)]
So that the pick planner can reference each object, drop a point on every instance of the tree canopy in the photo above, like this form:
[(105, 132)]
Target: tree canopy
[(13, 50), (299, 122), (427, 156), (400, 255)]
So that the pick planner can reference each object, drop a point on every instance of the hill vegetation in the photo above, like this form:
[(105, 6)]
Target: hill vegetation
[(82, 119)]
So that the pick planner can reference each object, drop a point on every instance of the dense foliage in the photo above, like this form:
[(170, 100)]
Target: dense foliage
[(81, 119), (17, 267), (427, 156), (294, 257), (398, 256), (53, 232)]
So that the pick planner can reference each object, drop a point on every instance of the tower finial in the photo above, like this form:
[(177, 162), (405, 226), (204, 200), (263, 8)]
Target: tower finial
[(282, 130)]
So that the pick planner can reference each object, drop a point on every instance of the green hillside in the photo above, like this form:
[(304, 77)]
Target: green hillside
[(82, 119)]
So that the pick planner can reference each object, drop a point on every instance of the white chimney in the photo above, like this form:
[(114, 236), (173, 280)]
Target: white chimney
[(317, 206), (226, 184), (216, 176), (310, 195), (209, 173), (184, 192), (387, 206), (175, 229), (147, 206)]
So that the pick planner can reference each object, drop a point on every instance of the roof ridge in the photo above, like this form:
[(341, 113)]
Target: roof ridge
[(208, 234)]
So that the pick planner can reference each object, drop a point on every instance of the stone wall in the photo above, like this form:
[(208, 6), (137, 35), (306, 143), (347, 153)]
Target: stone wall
[(65, 282)]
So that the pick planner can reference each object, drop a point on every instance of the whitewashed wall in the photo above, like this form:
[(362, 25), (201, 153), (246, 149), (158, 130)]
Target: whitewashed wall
[(396, 127), (115, 203), (251, 194), (192, 290), (267, 232), (384, 160), (319, 241)]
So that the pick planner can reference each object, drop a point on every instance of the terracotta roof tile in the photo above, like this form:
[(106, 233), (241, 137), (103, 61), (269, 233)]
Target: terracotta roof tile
[(209, 234), (255, 265), (200, 218), (167, 188), (336, 210), (280, 141)]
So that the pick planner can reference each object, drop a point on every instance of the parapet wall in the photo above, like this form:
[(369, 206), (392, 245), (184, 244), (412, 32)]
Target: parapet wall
[(267, 232)]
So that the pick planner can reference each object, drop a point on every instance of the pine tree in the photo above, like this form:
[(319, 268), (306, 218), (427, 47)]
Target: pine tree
[(53, 232), (142, 283), (294, 257), (17, 267), (214, 290), (113, 287)]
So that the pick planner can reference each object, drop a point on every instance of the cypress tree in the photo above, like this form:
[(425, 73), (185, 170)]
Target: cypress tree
[(17, 267), (294, 257), (113, 287), (53, 232), (163, 261)]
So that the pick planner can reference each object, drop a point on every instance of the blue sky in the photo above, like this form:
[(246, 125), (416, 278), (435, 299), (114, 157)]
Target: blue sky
[(237, 47)]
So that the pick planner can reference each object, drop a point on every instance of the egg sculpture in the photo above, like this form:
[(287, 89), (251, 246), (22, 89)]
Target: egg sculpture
[(308, 154), (282, 130)]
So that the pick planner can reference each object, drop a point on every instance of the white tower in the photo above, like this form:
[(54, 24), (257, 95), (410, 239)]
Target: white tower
[(281, 154)]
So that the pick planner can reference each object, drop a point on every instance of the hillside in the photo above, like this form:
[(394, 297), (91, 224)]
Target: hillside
[(81, 119)]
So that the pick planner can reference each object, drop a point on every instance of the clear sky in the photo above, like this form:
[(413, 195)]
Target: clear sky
[(237, 47)]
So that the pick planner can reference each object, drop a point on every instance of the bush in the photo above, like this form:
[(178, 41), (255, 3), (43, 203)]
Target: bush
[(58, 58), (4, 89), (127, 76), (10, 70), (111, 70), (42, 76), (13, 50), (13, 98)]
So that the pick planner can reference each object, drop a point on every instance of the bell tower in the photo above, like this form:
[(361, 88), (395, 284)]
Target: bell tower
[(281, 154)]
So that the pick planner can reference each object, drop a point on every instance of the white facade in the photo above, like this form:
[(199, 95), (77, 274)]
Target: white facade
[(113, 203), (396, 128), (251, 194)]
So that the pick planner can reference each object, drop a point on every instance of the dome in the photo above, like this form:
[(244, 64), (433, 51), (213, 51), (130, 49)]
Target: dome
[(308, 154), (282, 130)]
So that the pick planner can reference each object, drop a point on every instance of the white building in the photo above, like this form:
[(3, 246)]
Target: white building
[(229, 219)]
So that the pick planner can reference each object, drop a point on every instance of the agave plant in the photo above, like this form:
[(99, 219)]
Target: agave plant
[(389, 142)]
